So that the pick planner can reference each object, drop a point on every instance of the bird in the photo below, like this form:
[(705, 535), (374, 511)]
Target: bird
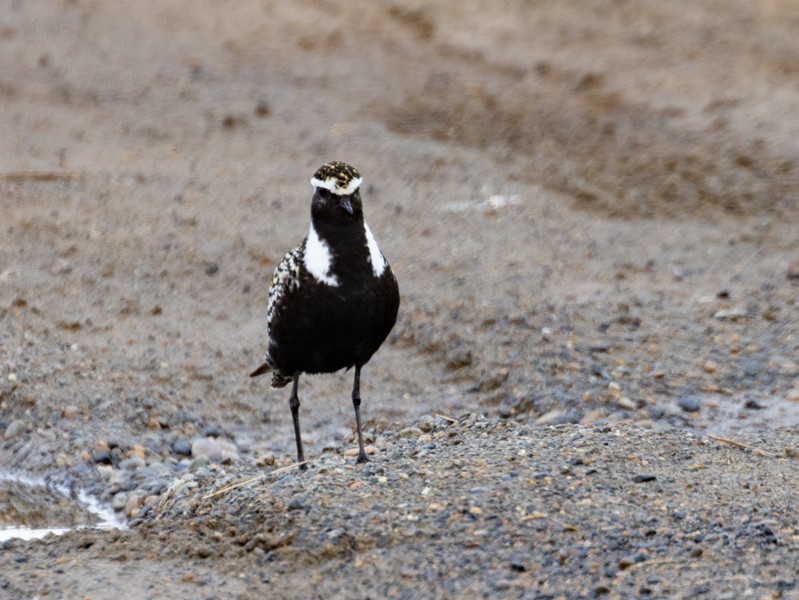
[(333, 298)]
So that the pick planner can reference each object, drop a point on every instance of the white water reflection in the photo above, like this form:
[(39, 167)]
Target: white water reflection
[(23, 533), (32, 508)]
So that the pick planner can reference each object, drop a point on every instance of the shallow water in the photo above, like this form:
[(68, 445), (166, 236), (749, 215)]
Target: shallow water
[(31, 507)]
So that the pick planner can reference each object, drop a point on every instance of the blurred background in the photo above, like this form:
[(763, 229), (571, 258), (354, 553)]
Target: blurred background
[(590, 205)]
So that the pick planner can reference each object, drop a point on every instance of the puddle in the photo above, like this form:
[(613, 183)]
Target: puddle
[(33, 508)]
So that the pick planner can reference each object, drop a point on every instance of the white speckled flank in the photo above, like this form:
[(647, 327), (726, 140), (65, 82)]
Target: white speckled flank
[(285, 280), (375, 256), (332, 185), (318, 259)]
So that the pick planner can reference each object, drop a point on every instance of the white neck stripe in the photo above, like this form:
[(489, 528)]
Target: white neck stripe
[(376, 257), (317, 258)]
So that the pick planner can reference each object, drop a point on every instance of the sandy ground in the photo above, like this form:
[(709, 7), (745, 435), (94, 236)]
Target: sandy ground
[(591, 208)]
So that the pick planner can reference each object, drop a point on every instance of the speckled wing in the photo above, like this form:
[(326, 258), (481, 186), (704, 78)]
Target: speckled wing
[(285, 280)]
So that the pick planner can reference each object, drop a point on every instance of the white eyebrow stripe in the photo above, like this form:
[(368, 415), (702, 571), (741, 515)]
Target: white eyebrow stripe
[(331, 184)]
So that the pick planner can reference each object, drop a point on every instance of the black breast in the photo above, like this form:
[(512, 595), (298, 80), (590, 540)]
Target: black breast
[(321, 328)]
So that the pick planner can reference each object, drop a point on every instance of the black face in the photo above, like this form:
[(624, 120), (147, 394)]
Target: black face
[(333, 208)]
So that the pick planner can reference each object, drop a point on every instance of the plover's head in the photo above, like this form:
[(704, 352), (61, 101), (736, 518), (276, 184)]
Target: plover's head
[(337, 178), (336, 185)]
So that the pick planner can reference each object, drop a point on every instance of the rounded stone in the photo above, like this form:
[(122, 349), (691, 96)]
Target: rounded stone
[(15, 429), (207, 447), (689, 404), (132, 463), (132, 505), (410, 432), (427, 423), (182, 446), (119, 501)]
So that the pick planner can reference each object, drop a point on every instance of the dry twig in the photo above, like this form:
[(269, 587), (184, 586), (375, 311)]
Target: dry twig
[(239, 484), (737, 444), (19, 176), (446, 418)]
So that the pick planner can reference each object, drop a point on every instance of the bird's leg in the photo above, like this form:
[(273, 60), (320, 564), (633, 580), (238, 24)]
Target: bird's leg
[(356, 402), (294, 403)]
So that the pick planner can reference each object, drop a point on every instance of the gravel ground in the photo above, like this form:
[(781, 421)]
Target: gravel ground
[(470, 507), (593, 385)]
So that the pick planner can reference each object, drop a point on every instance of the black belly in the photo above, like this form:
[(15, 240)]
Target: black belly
[(322, 329)]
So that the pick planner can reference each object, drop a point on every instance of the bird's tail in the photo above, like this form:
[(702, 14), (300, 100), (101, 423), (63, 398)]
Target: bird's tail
[(262, 368)]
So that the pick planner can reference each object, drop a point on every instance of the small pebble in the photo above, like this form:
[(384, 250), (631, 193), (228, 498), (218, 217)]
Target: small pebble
[(119, 501), (369, 449), (212, 431), (625, 403), (410, 432), (266, 459), (644, 477), (601, 590), (105, 471), (296, 503), (427, 423), (70, 412), (15, 429), (102, 457), (181, 446), (214, 449), (630, 560), (731, 314), (262, 108), (132, 463), (551, 417), (517, 566), (199, 463), (132, 505), (689, 404)]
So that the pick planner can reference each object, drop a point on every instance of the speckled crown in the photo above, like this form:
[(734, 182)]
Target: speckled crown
[(338, 178)]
